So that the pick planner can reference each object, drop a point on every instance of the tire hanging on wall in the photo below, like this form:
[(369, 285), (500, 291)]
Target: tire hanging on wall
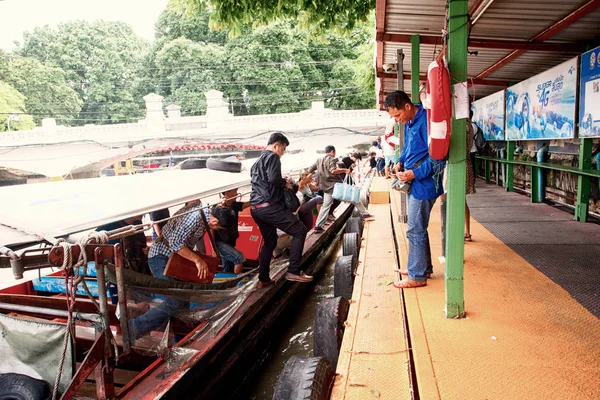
[(329, 328), (343, 276), (224, 165), (353, 225), (350, 244), (305, 378)]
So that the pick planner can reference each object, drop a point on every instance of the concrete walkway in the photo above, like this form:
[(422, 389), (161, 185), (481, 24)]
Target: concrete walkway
[(524, 336)]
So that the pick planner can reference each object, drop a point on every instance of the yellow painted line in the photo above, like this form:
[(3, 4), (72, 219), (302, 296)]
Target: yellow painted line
[(524, 337), (374, 359)]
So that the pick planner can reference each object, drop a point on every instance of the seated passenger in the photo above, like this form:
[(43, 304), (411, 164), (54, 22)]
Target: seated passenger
[(179, 236), (309, 200), (226, 216)]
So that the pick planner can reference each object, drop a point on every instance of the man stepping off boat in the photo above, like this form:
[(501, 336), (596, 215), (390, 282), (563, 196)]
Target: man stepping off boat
[(268, 210)]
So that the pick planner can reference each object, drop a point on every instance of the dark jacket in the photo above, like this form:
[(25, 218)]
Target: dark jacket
[(267, 182)]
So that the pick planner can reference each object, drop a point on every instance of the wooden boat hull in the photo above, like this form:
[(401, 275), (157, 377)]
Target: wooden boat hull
[(199, 369)]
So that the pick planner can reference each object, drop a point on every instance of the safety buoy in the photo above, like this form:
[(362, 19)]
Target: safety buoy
[(439, 112)]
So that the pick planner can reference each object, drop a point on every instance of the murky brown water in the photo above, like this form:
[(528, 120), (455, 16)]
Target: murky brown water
[(292, 336)]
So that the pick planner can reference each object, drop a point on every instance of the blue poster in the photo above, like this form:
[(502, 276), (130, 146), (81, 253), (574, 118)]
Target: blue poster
[(543, 106), (589, 94), (488, 114)]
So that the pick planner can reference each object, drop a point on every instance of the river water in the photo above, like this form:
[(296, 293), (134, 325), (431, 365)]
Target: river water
[(293, 335)]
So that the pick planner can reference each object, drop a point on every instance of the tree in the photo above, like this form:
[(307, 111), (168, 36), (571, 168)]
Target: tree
[(173, 24), (340, 15), (187, 70), (13, 102), (47, 93), (101, 61)]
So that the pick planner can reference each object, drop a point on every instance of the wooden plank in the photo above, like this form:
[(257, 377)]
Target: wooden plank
[(380, 191), (425, 373)]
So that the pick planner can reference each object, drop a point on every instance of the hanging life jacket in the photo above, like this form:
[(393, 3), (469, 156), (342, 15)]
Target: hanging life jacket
[(439, 113)]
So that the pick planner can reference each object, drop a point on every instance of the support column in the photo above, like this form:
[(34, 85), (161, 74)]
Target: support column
[(583, 182), (399, 132), (415, 70), (510, 170), (455, 225)]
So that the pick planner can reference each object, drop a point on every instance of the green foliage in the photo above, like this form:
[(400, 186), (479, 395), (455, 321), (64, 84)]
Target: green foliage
[(319, 15), (173, 24), (46, 91), (100, 59), (11, 101)]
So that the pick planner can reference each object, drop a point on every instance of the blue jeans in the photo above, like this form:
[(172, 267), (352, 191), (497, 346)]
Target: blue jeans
[(231, 256), (160, 314), (419, 250)]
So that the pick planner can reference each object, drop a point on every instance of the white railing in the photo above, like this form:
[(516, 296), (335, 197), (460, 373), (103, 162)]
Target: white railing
[(197, 126)]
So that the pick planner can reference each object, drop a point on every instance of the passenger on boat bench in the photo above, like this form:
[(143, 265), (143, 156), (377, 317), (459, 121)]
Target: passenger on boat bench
[(268, 211), (226, 238), (179, 236)]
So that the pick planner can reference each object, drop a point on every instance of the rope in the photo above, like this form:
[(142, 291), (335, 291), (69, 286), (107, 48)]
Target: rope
[(71, 307)]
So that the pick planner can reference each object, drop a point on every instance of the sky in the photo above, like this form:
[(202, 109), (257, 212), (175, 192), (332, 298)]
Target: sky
[(18, 16)]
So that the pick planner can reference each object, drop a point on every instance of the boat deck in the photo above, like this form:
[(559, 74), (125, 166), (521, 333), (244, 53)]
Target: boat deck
[(531, 329)]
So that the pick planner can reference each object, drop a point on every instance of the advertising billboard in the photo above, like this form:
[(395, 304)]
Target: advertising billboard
[(488, 114), (543, 106), (589, 94)]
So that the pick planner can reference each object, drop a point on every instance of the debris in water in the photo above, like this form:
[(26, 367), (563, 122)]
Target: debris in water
[(375, 393)]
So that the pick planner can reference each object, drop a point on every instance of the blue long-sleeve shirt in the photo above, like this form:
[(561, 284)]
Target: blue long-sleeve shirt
[(427, 184)]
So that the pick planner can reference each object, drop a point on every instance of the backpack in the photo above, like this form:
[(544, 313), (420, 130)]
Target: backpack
[(479, 139)]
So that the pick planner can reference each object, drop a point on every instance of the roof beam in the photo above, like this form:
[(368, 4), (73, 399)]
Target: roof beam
[(423, 78), (570, 48), (547, 33), (380, 7)]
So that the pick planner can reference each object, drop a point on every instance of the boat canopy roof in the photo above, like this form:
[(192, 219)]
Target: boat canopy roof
[(57, 209)]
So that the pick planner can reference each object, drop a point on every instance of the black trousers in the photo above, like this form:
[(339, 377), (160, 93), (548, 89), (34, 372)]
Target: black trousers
[(269, 219)]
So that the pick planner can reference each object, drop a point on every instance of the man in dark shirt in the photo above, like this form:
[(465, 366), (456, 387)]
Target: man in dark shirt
[(266, 207)]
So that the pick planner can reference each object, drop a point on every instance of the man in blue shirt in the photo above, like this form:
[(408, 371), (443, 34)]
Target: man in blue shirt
[(425, 175)]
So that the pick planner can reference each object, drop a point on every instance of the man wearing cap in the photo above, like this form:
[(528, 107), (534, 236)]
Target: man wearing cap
[(267, 209)]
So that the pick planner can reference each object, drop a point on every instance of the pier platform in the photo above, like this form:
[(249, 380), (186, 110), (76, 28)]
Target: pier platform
[(532, 293)]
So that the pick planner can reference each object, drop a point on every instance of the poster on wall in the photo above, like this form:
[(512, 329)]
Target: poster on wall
[(543, 106), (589, 94), (488, 114)]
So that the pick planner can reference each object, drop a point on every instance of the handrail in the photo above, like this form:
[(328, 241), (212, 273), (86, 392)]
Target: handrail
[(556, 167)]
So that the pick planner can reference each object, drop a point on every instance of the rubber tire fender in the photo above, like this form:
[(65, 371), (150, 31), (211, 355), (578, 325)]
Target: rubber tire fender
[(353, 225), (343, 276), (193, 163), (329, 328), (224, 165), (350, 244), (23, 387), (305, 378)]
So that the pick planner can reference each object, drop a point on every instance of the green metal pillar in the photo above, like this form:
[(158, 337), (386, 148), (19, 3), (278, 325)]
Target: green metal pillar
[(510, 172), (455, 225), (415, 67), (535, 185), (488, 174), (583, 182)]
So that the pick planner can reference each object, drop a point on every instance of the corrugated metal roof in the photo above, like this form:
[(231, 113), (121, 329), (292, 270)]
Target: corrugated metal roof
[(502, 20)]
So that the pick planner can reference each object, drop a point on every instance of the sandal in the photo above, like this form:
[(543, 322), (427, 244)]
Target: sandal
[(468, 238)]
